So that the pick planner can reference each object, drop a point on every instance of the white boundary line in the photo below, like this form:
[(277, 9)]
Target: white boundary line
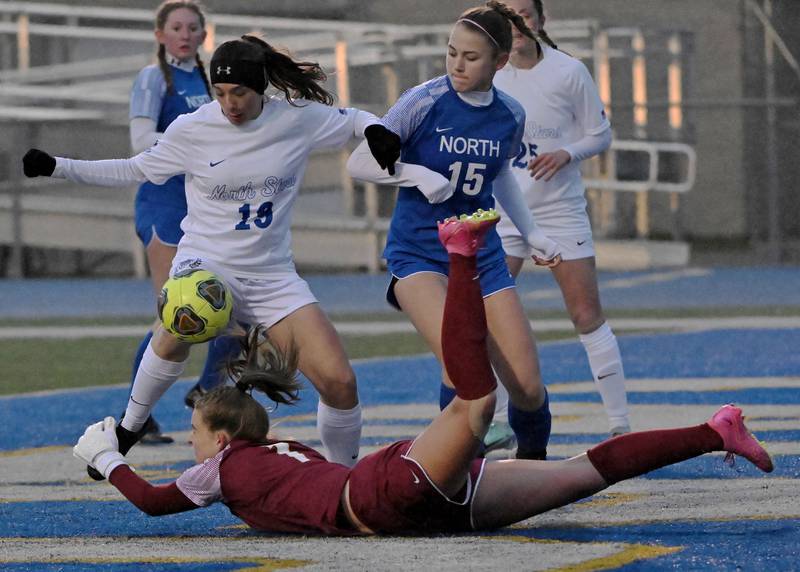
[(402, 327)]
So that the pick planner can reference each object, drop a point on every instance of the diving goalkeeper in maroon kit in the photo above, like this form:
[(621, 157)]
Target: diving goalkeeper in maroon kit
[(431, 484)]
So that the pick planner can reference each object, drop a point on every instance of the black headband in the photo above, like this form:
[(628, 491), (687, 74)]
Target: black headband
[(241, 63)]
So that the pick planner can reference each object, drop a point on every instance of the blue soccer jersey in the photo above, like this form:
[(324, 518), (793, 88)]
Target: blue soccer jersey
[(150, 98), (465, 143)]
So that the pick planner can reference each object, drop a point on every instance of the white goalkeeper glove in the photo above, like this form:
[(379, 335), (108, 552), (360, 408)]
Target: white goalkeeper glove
[(98, 447), (545, 251)]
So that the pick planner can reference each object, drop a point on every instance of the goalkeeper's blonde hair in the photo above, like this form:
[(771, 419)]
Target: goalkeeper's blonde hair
[(261, 366)]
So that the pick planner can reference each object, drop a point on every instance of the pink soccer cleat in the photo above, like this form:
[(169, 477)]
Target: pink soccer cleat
[(737, 439), (464, 235)]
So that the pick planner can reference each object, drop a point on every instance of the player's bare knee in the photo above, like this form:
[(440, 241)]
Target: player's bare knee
[(484, 407), (587, 319), (168, 347), (339, 391), (528, 396)]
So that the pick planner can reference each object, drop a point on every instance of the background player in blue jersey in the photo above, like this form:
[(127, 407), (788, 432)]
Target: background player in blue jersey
[(428, 485), (464, 130), (177, 84)]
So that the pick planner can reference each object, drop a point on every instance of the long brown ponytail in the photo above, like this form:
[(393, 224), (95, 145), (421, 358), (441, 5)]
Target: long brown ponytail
[(296, 79), (261, 366)]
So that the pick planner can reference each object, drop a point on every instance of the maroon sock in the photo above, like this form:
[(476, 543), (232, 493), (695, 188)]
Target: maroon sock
[(464, 331), (638, 453)]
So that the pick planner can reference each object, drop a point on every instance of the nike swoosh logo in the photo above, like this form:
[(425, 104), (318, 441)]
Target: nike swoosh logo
[(438, 130), (599, 377), (182, 92), (416, 478), (213, 164), (581, 242)]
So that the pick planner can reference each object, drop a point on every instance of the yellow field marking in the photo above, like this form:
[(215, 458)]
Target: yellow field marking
[(643, 522), (611, 499), (33, 451), (155, 474), (631, 553), (569, 417), (259, 564)]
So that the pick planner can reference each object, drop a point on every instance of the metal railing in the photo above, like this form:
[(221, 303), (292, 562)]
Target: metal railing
[(651, 179), (337, 45)]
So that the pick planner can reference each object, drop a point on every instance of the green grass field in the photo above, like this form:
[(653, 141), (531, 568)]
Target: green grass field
[(44, 364)]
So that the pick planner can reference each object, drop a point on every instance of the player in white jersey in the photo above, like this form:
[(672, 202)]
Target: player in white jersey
[(565, 124), (244, 157), (175, 85)]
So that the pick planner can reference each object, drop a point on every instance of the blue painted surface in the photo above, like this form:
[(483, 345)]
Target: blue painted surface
[(706, 545), (736, 353), (721, 287), (740, 544)]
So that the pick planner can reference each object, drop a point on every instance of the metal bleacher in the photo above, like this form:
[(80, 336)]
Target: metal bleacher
[(95, 53)]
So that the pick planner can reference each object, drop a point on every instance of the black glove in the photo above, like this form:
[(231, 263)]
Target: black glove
[(37, 163), (384, 144)]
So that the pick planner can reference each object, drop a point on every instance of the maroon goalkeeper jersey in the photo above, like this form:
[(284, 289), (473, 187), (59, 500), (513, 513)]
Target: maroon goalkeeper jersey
[(283, 486)]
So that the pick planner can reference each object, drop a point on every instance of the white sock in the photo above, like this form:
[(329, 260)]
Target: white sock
[(340, 432), (153, 378), (602, 350), (501, 405)]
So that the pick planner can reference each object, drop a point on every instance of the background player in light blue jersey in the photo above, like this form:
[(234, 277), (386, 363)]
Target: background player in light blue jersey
[(177, 84), (465, 131)]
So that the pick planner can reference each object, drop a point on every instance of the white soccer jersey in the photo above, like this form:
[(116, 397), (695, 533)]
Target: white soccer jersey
[(562, 106), (241, 181)]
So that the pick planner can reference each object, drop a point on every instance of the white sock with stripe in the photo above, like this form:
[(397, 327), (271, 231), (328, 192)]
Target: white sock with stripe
[(605, 360), (153, 378)]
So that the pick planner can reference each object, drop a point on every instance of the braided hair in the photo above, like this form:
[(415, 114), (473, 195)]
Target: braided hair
[(162, 13), (542, 35), (261, 366), (495, 19)]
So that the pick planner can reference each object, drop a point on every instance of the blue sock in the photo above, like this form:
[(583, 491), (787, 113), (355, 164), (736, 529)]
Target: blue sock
[(219, 350), (446, 395), (532, 429), (138, 357)]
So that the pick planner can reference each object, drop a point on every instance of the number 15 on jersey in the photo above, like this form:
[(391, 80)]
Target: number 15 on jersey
[(473, 178)]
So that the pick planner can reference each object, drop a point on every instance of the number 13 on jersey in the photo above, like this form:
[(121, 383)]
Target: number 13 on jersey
[(262, 219), (473, 178)]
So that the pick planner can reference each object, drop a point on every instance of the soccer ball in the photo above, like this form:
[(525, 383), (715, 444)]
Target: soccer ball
[(194, 306)]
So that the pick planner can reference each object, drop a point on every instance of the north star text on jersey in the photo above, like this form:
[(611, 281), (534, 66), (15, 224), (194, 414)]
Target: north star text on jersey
[(534, 130), (469, 146), (271, 186)]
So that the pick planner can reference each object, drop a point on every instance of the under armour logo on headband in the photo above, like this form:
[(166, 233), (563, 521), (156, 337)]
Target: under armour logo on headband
[(226, 69)]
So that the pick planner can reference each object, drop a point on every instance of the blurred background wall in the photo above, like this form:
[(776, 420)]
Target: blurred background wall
[(737, 105)]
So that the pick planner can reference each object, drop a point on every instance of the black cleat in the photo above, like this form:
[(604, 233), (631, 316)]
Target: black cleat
[(195, 393), (126, 439), (153, 434)]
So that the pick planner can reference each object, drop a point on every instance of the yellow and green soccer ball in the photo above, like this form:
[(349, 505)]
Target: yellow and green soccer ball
[(195, 306)]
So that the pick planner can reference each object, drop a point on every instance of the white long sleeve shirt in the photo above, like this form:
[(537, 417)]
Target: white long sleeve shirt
[(241, 181), (563, 111)]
